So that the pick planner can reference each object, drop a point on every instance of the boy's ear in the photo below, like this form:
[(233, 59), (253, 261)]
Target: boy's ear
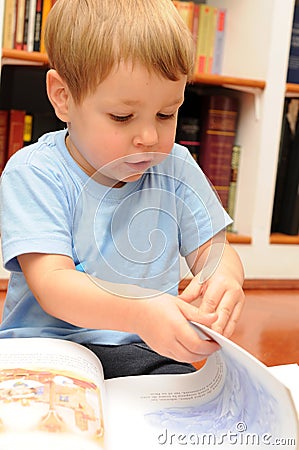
[(58, 94)]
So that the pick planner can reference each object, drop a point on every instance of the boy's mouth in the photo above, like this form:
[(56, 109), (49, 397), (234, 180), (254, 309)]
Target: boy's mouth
[(139, 166)]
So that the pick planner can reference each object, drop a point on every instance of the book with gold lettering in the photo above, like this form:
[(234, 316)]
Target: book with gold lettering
[(219, 117)]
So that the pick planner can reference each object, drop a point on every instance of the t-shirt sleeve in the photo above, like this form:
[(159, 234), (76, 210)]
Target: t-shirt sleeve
[(35, 215)]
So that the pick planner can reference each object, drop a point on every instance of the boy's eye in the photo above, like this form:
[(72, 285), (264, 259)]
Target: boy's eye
[(166, 116), (120, 118)]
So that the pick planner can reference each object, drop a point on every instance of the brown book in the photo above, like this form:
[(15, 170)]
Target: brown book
[(218, 131), (3, 137), (16, 131)]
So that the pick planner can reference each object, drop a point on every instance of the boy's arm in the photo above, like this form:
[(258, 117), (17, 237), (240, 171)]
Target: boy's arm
[(161, 320), (218, 281)]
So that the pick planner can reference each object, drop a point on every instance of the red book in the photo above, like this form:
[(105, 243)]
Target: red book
[(3, 137), (218, 131), (16, 131)]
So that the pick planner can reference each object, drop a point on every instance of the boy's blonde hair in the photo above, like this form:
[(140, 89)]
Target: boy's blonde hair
[(85, 39)]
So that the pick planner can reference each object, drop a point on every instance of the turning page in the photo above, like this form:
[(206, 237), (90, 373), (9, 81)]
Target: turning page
[(233, 401)]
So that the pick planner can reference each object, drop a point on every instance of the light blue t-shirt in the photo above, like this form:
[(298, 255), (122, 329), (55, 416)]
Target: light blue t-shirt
[(129, 235)]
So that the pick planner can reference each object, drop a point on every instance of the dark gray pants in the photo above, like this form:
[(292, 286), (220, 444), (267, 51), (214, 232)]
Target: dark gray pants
[(135, 359)]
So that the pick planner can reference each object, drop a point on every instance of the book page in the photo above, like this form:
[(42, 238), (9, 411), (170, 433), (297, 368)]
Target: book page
[(233, 401), (288, 374), (51, 396)]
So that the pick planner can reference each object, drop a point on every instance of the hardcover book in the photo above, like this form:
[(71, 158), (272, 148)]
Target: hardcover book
[(218, 131), (15, 131), (202, 43), (285, 217), (231, 202), (53, 395), (186, 11), (219, 41)]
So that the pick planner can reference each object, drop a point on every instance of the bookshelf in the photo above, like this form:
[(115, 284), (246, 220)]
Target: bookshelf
[(255, 65), (257, 47)]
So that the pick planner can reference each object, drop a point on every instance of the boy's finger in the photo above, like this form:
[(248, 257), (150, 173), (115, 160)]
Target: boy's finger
[(192, 291), (228, 314), (193, 313)]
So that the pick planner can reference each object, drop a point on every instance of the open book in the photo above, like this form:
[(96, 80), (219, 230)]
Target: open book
[(53, 396)]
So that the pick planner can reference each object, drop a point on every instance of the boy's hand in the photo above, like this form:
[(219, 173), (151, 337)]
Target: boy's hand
[(163, 323), (217, 283), (220, 293)]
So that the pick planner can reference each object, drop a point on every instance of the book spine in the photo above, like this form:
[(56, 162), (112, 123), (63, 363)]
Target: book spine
[(38, 25), (293, 66), (15, 131), (287, 220), (186, 11), (9, 24), (231, 203), (31, 25), (219, 41), (20, 17), (195, 23), (211, 38), (293, 226), (47, 5), (28, 122), (3, 137), (26, 20), (188, 133), (286, 137), (218, 131), (201, 42)]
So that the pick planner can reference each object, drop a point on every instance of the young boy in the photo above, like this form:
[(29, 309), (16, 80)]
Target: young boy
[(94, 217)]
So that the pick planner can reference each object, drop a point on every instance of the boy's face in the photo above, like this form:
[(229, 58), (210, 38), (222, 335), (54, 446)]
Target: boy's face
[(127, 125)]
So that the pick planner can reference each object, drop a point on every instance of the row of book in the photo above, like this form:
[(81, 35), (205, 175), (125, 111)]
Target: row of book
[(24, 22), (210, 136), (19, 128), (285, 217), (207, 127), (207, 24)]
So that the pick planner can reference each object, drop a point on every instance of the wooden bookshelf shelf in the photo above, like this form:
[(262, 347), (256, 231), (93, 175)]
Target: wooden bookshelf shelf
[(208, 79), (284, 239), (223, 80), (24, 57), (275, 238), (292, 88), (235, 238)]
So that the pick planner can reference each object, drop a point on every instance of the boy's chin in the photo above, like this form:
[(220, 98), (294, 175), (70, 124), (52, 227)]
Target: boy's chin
[(114, 183), (131, 178)]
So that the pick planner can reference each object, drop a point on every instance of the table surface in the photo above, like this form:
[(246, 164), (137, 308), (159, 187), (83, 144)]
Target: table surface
[(269, 326)]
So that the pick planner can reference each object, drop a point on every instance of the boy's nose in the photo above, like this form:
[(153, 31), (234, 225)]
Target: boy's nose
[(147, 136)]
